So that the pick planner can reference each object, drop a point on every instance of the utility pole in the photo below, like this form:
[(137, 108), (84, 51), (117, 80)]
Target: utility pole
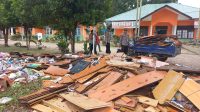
[(136, 21), (140, 10)]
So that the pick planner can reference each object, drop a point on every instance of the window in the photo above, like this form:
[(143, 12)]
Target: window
[(179, 32), (78, 31), (190, 35), (184, 35), (143, 30), (48, 31), (185, 32)]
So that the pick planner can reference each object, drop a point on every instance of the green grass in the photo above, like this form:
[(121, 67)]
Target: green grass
[(17, 91), (31, 51)]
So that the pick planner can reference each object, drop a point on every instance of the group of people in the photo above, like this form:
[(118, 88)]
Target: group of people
[(94, 41)]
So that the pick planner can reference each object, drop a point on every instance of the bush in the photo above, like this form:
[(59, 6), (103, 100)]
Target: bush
[(63, 46), (16, 37), (116, 40)]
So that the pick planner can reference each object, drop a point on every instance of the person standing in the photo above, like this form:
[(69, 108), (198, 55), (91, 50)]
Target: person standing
[(92, 42), (107, 40), (98, 41), (124, 41)]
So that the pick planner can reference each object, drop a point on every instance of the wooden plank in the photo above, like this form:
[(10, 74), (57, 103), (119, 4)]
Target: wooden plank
[(119, 63), (85, 72), (84, 87), (55, 107), (112, 78), (128, 85), (42, 108), (191, 90), (126, 99), (88, 77), (83, 101), (54, 70), (168, 87), (150, 109), (148, 101), (58, 102), (122, 103), (107, 109)]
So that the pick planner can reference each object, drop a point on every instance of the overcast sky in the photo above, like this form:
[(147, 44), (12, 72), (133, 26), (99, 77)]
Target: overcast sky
[(194, 3)]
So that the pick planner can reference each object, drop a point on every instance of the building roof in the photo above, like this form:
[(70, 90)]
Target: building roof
[(148, 9)]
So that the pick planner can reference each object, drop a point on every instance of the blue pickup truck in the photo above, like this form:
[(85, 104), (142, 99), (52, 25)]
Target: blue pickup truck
[(159, 46)]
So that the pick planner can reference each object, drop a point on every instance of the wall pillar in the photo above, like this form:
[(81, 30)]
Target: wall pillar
[(174, 29), (151, 30)]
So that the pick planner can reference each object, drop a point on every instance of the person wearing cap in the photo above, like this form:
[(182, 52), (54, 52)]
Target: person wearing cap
[(124, 41), (107, 40)]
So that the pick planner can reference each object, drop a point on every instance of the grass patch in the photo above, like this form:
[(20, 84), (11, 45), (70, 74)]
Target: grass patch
[(17, 91), (31, 51)]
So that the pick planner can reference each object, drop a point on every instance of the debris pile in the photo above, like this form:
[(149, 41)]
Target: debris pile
[(114, 83)]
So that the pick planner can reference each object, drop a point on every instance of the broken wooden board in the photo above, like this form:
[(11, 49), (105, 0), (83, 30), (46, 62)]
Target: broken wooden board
[(88, 77), (148, 101), (119, 63), (87, 71), (57, 104), (150, 109), (83, 101), (112, 78), (191, 90), (128, 85), (84, 87), (168, 87), (42, 108), (131, 104), (54, 70)]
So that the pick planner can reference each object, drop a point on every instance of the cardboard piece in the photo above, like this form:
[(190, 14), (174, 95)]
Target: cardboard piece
[(54, 70), (168, 87), (191, 90)]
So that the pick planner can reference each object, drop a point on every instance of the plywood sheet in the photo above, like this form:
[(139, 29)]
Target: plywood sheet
[(191, 90), (87, 71), (42, 108), (57, 71), (148, 101), (83, 101), (168, 87), (128, 85), (112, 78)]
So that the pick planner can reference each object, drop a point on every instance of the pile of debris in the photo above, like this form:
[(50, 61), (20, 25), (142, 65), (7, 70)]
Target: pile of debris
[(114, 83)]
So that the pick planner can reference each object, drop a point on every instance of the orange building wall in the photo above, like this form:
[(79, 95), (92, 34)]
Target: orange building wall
[(195, 33), (38, 30), (119, 32), (164, 15), (186, 23)]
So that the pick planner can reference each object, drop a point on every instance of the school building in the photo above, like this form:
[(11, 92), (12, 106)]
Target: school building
[(81, 31), (170, 18)]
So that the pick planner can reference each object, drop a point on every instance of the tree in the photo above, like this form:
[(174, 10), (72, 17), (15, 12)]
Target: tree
[(7, 18), (28, 13), (67, 14)]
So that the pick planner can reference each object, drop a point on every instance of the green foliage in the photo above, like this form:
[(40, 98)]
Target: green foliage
[(16, 37), (116, 40), (63, 46), (18, 90)]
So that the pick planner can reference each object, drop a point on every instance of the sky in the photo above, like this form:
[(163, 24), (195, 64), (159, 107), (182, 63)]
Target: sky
[(194, 3)]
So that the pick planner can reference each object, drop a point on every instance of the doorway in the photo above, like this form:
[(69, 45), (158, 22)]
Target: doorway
[(161, 29)]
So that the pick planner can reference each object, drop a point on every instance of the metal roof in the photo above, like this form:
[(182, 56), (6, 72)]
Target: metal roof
[(192, 12)]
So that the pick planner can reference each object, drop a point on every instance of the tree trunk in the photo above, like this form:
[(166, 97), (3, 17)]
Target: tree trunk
[(5, 34), (73, 41), (26, 36)]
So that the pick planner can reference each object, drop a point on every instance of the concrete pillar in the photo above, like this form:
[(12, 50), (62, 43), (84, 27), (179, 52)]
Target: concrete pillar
[(151, 30), (174, 29), (11, 31)]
